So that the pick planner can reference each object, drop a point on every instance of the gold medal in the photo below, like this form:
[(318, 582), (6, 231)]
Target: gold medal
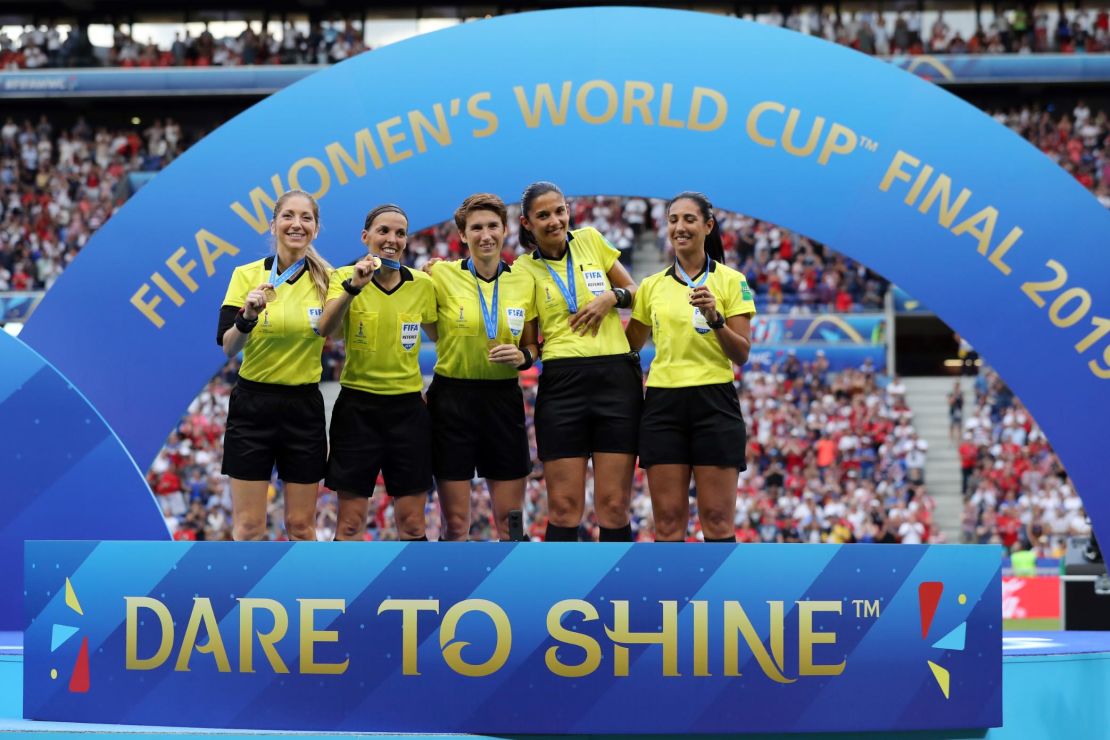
[(269, 293), (375, 262), (492, 343)]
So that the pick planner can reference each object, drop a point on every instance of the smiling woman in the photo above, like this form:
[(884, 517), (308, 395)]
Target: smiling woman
[(591, 388), (276, 414), (380, 422)]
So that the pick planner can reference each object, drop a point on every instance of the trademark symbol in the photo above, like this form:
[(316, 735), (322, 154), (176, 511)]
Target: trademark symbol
[(869, 144), (866, 609)]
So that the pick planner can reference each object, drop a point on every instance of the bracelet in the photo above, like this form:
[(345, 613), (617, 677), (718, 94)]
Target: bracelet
[(528, 359), (351, 290), (624, 298), (243, 324), (718, 324)]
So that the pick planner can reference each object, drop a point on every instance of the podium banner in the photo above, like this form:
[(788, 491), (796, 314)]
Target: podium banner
[(521, 638)]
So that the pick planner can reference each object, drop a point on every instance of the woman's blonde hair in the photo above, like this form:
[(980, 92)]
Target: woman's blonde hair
[(318, 267)]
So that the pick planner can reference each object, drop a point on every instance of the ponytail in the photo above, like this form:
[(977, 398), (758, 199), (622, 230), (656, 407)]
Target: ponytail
[(320, 271)]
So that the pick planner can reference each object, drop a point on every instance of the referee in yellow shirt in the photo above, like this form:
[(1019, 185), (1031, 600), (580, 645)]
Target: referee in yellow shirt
[(699, 312), (486, 335), (380, 422), (591, 387), (276, 412)]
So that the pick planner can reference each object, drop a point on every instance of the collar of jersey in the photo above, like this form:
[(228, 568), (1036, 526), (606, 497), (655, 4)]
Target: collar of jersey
[(406, 276), (505, 267), (268, 263), (672, 273)]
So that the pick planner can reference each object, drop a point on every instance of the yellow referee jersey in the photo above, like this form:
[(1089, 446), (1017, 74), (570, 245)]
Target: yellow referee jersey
[(686, 350), (462, 349), (284, 347), (381, 332), (593, 258)]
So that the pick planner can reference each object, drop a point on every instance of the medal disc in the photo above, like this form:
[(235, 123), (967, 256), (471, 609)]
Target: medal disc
[(270, 293)]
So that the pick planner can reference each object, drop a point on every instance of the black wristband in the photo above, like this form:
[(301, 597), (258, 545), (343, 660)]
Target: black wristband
[(351, 290), (528, 359), (243, 324), (624, 298), (718, 324)]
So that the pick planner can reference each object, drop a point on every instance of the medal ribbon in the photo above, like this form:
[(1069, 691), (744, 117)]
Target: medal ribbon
[(489, 313), (569, 289), (690, 281), (276, 280), (391, 264)]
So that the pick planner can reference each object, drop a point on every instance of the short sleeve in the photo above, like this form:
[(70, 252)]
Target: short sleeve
[(428, 310), (739, 299), (335, 282), (238, 288), (605, 253), (530, 310), (641, 302)]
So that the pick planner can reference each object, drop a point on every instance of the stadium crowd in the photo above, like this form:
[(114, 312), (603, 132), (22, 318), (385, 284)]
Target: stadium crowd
[(1016, 492), (1018, 30), (58, 186)]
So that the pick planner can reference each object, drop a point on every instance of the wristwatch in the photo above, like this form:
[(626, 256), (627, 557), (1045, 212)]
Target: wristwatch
[(718, 324)]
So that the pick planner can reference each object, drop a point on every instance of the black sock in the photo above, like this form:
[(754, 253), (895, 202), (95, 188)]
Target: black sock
[(620, 534), (423, 538), (555, 533), (731, 539)]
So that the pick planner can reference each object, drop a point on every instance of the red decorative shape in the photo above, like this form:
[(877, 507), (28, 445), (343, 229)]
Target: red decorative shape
[(79, 681), (928, 596)]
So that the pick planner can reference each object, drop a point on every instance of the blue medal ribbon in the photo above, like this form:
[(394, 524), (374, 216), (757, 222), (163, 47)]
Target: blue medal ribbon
[(276, 280), (391, 264), (490, 314), (689, 280), (569, 289)]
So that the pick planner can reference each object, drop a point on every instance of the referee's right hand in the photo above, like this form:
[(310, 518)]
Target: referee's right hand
[(255, 303), (364, 270)]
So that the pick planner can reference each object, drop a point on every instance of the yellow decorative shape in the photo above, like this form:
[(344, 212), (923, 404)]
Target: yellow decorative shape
[(53, 672), (71, 599), (962, 598), (941, 676)]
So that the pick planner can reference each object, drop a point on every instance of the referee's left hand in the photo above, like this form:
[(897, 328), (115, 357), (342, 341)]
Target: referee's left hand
[(705, 301), (590, 316), (506, 354)]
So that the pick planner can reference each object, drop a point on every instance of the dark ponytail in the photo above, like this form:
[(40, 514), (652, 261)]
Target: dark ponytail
[(527, 238), (714, 247)]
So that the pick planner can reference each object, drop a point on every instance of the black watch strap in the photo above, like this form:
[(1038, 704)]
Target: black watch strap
[(718, 324), (350, 289)]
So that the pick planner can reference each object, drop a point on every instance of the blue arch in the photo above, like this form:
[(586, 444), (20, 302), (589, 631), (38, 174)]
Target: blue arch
[(900, 175)]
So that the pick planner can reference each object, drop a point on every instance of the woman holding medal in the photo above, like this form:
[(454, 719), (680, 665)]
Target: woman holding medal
[(276, 412), (486, 334), (699, 311), (591, 387), (380, 422)]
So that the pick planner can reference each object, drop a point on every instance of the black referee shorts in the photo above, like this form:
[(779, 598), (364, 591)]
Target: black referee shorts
[(371, 434), (699, 425), (589, 404), (269, 424), (478, 425)]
